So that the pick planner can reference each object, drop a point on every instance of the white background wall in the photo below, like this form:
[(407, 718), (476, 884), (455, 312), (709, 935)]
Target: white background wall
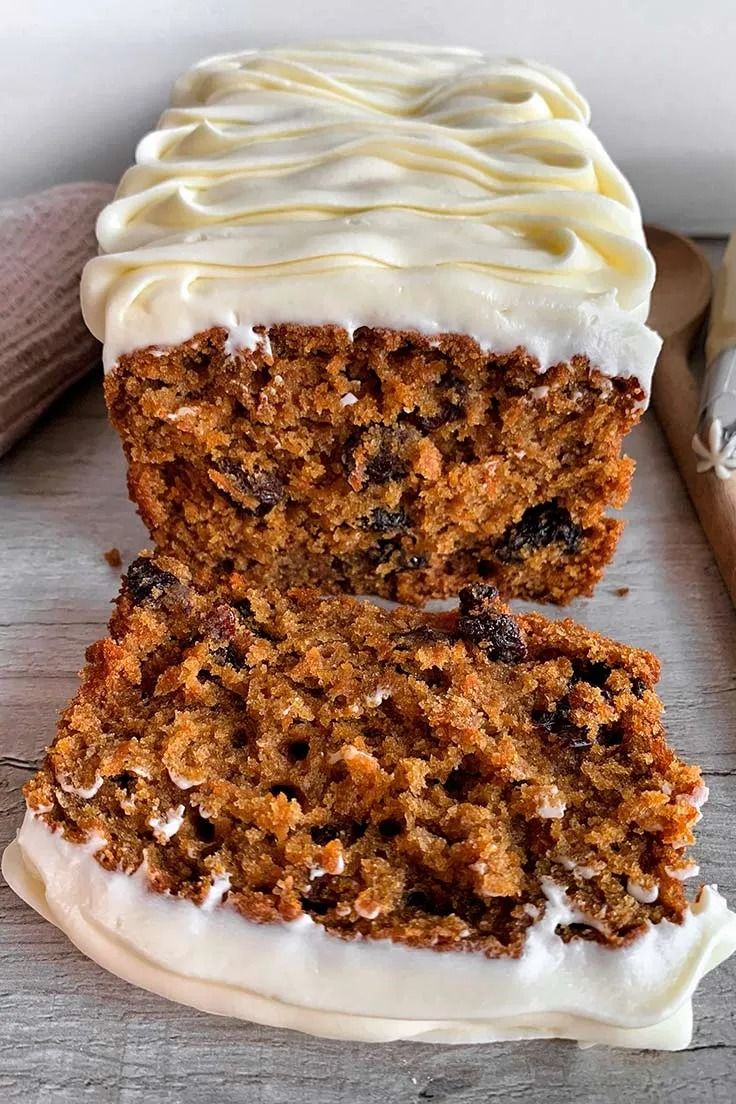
[(80, 80)]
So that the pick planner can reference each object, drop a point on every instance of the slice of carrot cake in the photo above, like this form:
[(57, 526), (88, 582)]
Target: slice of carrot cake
[(374, 824), (374, 321)]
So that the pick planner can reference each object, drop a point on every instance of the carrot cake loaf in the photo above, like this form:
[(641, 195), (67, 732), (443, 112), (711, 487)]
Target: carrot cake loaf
[(316, 813), (374, 321)]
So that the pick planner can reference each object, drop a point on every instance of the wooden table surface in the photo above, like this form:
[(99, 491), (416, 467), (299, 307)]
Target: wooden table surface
[(69, 1032)]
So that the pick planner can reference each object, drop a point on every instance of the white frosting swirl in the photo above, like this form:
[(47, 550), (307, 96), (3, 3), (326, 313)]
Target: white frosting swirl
[(376, 184), (297, 975)]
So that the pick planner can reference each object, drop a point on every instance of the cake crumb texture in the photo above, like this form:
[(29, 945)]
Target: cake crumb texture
[(389, 773), (384, 463)]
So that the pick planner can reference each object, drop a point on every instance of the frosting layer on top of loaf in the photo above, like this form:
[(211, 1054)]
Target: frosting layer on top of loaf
[(377, 184)]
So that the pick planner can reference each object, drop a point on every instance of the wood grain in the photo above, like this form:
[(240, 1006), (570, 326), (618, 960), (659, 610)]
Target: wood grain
[(679, 306), (71, 1033), (677, 402)]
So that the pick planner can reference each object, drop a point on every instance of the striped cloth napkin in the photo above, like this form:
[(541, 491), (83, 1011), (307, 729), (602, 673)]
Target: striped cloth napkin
[(45, 240)]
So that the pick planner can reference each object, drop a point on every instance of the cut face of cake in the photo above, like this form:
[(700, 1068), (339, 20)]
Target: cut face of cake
[(374, 321), (374, 824)]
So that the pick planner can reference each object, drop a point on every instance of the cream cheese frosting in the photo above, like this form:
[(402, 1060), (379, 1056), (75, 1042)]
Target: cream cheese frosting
[(297, 975), (377, 184)]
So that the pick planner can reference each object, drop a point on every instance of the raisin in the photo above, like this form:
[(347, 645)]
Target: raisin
[(265, 487), (384, 550), (480, 622), (473, 598), (610, 736), (386, 521), (380, 462), (447, 412), (547, 718), (638, 686), (147, 583), (221, 623), (384, 467), (593, 672), (557, 722), (497, 633), (540, 526)]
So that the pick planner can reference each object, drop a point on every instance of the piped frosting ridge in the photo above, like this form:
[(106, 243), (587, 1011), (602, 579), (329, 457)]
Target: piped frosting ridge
[(383, 185)]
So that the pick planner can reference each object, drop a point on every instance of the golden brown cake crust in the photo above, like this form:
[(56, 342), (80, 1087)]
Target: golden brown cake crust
[(384, 463), (392, 773)]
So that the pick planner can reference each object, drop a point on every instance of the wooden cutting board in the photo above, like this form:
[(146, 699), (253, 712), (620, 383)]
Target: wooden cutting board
[(679, 306)]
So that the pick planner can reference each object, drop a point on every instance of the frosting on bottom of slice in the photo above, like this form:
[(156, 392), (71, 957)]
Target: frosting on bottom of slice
[(298, 976)]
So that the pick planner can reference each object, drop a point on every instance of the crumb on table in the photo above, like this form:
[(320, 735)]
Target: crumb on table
[(113, 557), (622, 591)]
